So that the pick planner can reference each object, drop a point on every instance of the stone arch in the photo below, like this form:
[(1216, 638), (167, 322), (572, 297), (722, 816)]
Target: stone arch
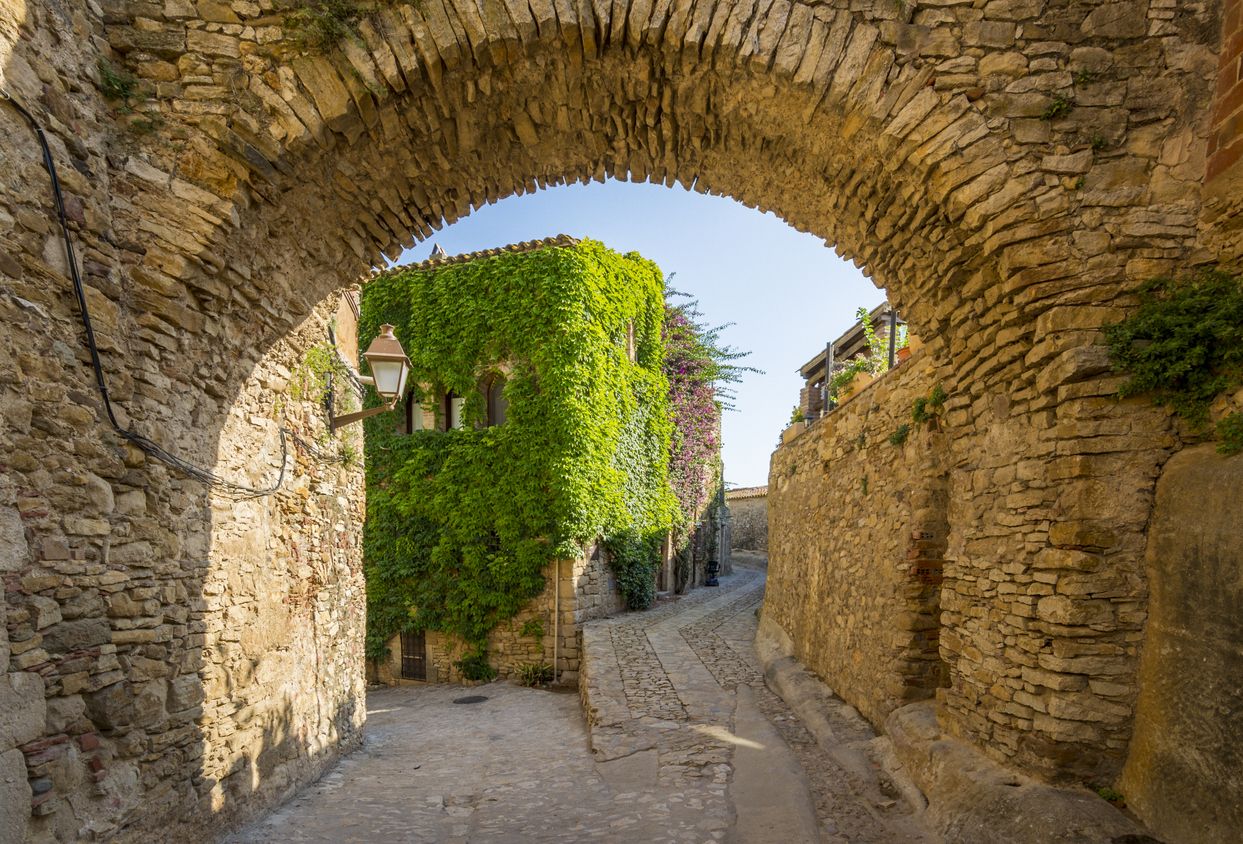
[(1008, 171)]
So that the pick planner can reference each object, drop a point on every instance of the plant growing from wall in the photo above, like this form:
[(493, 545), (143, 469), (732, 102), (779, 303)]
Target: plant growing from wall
[(317, 25), (461, 524), (899, 435), (1230, 434), (1183, 345), (928, 409)]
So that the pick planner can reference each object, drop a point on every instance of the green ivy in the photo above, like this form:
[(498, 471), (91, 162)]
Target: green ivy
[(1230, 434), (475, 666), (1184, 344), (634, 557), (461, 524)]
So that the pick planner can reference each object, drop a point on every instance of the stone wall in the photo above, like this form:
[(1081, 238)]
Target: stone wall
[(858, 530), (748, 521), (283, 603), (172, 682), (1184, 774)]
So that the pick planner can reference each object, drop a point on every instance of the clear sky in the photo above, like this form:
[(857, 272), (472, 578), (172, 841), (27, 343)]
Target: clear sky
[(785, 291)]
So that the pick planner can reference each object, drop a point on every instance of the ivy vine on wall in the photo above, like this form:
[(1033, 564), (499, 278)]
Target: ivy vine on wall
[(462, 523)]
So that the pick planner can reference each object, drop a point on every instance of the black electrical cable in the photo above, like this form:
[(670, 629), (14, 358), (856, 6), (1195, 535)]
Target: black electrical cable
[(149, 447)]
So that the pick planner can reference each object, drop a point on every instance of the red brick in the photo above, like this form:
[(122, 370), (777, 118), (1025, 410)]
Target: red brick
[(1229, 104), (88, 742), (1223, 159)]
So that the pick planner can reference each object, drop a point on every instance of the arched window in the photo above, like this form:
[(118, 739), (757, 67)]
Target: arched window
[(414, 413), (453, 410), (498, 405)]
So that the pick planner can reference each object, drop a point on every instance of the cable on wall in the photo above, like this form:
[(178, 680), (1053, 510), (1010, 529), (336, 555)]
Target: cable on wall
[(146, 445)]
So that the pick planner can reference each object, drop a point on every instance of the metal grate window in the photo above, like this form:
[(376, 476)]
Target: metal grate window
[(413, 656)]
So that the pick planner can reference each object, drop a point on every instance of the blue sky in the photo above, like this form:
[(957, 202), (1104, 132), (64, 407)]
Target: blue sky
[(786, 292)]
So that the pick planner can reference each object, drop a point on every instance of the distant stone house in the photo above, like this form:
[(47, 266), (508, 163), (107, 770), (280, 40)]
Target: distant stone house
[(748, 518), (850, 345), (580, 586)]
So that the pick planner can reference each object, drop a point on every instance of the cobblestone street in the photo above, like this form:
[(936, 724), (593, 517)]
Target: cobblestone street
[(685, 744)]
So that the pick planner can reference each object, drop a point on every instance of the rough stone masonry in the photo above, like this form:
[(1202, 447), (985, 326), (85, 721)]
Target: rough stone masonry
[(1009, 170)]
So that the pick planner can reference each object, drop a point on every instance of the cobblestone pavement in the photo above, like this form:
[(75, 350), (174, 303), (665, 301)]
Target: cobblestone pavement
[(692, 660), (685, 744)]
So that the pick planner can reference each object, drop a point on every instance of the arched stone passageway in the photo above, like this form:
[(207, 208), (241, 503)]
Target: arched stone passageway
[(1008, 171)]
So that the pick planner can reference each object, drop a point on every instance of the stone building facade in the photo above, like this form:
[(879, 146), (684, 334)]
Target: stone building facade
[(1008, 171), (748, 518), (588, 591)]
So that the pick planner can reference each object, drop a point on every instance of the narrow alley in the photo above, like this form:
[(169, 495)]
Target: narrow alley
[(685, 743)]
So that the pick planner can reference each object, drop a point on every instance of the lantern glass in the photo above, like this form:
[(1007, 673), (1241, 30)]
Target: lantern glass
[(390, 377)]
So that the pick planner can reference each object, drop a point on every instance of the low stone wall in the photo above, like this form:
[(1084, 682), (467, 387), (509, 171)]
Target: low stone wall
[(748, 522), (857, 536), (1184, 773)]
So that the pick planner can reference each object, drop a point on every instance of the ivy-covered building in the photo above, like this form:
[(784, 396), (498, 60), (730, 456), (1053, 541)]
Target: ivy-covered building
[(524, 486)]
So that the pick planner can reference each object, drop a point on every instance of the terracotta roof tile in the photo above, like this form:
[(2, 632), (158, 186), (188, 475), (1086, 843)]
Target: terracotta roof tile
[(436, 261)]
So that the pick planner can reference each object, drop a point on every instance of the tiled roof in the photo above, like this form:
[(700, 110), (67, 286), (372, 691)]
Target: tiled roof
[(746, 492), (435, 261)]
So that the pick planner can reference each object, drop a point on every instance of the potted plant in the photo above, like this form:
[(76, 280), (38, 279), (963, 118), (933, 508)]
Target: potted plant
[(904, 349)]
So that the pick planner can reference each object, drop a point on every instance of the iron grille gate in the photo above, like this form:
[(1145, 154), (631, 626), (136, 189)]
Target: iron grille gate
[(413, 656)]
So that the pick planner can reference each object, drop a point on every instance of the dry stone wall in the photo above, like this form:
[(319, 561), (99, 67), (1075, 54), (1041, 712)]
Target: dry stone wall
[(1009, 171), (172, 682), (858, 530)]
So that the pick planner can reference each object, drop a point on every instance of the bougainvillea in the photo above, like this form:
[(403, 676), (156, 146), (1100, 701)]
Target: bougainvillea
[(462, 523), (699, 369), (696, 445)]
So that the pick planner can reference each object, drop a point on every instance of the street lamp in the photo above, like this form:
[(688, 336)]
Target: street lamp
[(389, 367)]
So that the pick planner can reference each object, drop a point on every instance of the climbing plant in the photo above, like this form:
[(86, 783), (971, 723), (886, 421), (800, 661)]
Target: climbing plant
[(1184, 343), (461, 523), (700, 369)]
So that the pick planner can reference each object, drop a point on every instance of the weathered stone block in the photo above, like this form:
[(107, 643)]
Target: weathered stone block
[(22, 708), (76, 635), (14, 796), (14, 551)]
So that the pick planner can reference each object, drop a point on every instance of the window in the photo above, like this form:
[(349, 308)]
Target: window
[(631, 351), (497, 404), (453, 410), (414, 413)]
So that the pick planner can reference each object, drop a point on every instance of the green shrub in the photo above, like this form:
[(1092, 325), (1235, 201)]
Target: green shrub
[(1184, 344), (1230, 434), (634, 558), (474, 666), (317, 25), (534, 674)]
